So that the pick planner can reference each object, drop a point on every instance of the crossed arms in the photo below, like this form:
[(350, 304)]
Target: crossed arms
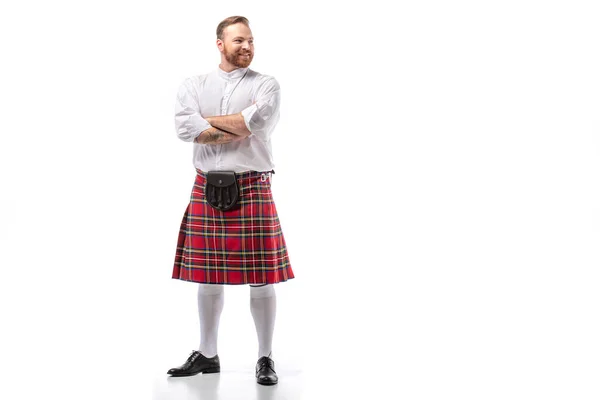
[(224, 129), (257, 119)]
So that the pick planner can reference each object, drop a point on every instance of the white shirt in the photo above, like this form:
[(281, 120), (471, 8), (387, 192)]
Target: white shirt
[(224, 93)]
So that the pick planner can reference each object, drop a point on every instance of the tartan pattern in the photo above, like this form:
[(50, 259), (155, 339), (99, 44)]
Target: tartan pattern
[(240, 246)]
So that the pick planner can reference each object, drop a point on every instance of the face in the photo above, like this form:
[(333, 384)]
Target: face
[(237, 45)]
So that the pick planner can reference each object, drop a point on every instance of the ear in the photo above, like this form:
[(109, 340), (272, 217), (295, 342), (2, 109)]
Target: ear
[(220, 44)]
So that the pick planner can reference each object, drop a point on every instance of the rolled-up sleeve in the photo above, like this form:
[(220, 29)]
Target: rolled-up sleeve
[(188, 121), (261, 117)]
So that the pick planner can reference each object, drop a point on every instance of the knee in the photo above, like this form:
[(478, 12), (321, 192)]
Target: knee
[(257, 292)]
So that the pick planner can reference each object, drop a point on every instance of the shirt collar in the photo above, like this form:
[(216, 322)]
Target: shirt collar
[(235, 74)]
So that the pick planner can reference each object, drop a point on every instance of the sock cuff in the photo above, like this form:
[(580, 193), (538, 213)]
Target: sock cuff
[(210, 289), (257, 292)]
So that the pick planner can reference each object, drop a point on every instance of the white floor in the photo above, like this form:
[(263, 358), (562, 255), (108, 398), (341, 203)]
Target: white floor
[(230, 383)]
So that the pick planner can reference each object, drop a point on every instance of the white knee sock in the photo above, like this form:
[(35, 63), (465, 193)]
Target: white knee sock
[(210, 306), (263, 306)]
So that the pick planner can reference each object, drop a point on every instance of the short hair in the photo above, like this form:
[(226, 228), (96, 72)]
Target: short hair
[(230, 21)]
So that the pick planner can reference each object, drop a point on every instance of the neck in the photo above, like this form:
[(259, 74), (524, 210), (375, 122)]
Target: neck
[(225, 66)]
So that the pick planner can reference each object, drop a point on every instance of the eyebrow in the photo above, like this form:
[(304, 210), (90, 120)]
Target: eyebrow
[(239, 37)]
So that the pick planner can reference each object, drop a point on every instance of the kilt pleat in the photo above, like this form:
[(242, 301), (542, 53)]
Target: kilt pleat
[(241, 246)]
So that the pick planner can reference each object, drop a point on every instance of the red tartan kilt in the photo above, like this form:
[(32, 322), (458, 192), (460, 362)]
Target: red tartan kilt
[(241, 246)]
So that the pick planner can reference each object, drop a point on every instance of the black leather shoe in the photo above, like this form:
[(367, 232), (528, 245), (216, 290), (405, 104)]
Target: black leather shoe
[(265, 371), (195, 364)]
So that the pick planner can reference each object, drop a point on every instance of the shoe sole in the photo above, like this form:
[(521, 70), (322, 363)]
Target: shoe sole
[(267, 383), (207, 371)]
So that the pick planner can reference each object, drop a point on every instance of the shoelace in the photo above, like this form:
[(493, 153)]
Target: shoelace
[(266, 362), (193, 356)]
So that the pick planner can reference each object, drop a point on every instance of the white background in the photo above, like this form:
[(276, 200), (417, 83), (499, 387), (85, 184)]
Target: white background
[(437, 179)]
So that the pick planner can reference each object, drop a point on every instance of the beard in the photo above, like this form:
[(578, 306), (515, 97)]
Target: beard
[(235, 58)]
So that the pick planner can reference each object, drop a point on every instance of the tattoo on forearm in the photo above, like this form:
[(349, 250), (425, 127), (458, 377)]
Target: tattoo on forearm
[(216, 136)]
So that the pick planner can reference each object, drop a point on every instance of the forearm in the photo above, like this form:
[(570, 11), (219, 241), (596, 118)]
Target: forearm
[(233, 123), (216, 136)]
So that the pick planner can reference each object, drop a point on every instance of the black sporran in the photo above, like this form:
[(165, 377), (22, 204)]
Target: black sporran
[(221, 190)]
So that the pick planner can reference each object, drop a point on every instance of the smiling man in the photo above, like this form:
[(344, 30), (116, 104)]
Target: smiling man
[(230, 233)]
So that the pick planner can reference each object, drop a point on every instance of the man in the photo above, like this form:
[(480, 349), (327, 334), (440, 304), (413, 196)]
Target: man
[(230, 232)]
